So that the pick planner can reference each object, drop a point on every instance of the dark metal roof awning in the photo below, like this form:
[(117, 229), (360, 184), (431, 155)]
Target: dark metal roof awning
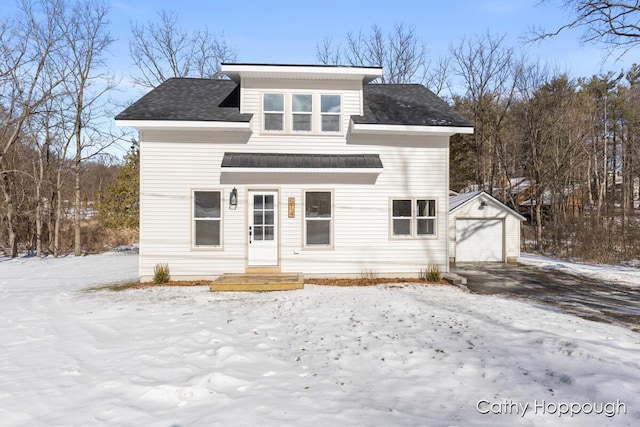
[(303, 163)]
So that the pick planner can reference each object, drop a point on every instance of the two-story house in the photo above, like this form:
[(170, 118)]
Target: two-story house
[(293, 168)]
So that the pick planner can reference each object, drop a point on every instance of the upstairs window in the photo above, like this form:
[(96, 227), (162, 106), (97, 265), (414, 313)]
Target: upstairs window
[(330, 111), (302, 112), (273, 109)]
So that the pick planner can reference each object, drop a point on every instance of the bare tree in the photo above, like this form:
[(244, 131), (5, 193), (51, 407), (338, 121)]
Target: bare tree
[(162, 50), (87, 36), (400, 53), (614, 23), (490, 72), (28, 41)]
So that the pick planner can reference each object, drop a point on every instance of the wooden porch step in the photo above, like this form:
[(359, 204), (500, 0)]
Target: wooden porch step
[(258, 282)]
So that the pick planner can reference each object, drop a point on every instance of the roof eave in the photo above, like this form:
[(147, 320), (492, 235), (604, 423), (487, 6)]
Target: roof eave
[(481, 193), (236, 72), (386, 129), (186, 125)]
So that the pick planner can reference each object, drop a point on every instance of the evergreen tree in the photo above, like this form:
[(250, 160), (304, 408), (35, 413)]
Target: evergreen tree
[(119, 206)]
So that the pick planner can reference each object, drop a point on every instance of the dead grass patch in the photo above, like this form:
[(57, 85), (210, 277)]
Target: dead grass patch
[(370, 281), (320, 282)]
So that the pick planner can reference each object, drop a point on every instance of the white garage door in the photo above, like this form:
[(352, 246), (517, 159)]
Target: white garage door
[(479, 240)]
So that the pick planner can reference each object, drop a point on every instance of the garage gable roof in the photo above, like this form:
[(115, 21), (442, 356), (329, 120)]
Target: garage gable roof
[(456, 202)]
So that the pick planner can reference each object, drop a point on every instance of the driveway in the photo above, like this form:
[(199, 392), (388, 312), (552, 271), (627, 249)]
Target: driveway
[(582, 296)]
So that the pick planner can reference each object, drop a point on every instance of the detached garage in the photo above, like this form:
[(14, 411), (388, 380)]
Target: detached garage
[(482, 229)]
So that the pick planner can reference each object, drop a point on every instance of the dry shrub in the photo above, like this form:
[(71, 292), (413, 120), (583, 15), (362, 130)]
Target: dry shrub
[(96, 238)]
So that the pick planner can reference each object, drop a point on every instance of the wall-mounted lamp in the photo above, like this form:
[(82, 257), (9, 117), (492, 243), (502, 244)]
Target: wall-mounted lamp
[(483, 204), (233, 199)]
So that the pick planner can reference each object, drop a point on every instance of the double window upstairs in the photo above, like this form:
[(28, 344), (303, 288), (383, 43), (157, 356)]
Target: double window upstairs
[(305, 112)]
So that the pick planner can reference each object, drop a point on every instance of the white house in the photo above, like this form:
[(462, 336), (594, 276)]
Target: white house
[(482, 229), (293, 168)]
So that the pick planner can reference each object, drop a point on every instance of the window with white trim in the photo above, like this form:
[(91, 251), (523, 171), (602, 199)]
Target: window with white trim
[(302, 109), (425, 217), (207, 218), (318, 218), (273, 109), (413, 217), (330, 112)]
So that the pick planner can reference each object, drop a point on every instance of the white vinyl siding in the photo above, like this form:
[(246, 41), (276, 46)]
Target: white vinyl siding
[(360, 208)]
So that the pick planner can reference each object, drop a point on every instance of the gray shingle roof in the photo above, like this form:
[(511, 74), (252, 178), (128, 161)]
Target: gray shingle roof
[(286, 160), (187, 99), (190, 99), (407, 104)]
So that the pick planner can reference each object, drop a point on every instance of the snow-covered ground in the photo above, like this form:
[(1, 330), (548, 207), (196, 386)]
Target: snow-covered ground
[(611, 273), (378, 356)]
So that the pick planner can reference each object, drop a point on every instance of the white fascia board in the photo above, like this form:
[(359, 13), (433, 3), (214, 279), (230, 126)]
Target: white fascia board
[(238, 71), (408, 129), (184, 124), (376, 171)]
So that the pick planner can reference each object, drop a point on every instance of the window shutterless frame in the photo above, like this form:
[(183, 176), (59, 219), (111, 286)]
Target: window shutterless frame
[(413, 218), (330, 112), (318, 219), (207, 207), (273, 112), (302, 112)]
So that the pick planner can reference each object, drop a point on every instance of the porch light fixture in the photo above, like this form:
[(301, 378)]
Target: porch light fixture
[(483, 204), (233, 199)]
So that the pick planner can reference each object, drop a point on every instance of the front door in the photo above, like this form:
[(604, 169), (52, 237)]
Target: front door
[(263, 228)]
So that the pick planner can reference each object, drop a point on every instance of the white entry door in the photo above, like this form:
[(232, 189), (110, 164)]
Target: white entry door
[(263, 228)]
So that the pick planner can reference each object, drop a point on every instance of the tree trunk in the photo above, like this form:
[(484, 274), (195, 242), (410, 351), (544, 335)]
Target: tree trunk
[(11, 227), (538, 223), (77, 240)]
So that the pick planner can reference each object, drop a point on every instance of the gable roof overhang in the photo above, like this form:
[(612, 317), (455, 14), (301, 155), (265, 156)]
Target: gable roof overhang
[(463, 199), (222, 126), (302, 163), (236, 72), (389, 129)]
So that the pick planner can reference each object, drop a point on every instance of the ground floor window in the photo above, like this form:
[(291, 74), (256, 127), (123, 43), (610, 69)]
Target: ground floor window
[(318, 218), (413, 217), (207, 218)]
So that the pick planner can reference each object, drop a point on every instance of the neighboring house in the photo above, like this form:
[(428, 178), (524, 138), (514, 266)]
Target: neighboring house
[(482, 229), (293, 168)]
